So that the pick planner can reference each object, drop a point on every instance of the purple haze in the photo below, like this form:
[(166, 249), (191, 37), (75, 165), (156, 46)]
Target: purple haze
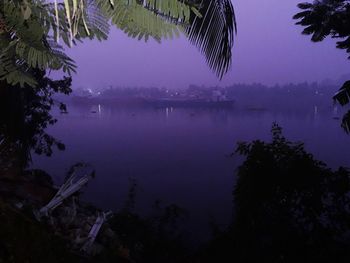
[(269, 49)]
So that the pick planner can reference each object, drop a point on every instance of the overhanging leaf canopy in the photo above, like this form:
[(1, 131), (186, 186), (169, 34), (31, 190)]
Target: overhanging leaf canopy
[(324, 18), (209, 24)]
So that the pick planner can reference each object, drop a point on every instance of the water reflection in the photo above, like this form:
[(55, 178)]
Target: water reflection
[(167, 112)]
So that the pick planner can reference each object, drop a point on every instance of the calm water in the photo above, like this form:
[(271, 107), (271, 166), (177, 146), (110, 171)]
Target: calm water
[(178, 155)]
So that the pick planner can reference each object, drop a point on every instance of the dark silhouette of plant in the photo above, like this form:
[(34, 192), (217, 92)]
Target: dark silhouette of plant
[(31, 30), (288, 207), (24, 116), (324, 18), (213, 33)]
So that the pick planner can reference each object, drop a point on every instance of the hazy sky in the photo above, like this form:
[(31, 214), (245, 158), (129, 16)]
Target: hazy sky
[(269, 49)]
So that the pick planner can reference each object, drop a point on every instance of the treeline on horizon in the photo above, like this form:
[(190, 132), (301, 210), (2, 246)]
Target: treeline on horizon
[(256, 96), (287, 97)]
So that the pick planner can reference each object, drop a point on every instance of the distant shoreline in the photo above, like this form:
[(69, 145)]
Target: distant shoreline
[(157, 103)]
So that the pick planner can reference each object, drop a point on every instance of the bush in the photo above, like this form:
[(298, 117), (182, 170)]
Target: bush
[(289, 207)]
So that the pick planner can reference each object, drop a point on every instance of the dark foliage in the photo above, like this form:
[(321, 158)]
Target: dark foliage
[(345, 124), (24, 116), (289, 207), (343, 95), (156, 238), (145, 239), (324, 18), (214, 33), (25, 240)]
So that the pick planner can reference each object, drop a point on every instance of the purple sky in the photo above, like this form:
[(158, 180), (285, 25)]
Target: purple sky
[(269, 49)]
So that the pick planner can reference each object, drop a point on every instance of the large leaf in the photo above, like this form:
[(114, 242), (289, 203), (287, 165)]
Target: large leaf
[(213, 33), (345, 124), (343, 95)]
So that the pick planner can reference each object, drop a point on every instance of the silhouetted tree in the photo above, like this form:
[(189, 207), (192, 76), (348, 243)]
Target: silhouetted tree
[(288, 207), (24, 116)]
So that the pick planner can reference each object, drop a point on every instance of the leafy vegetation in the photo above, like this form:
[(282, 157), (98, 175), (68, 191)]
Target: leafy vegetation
[(30, 31), (288, 207), (25, 44), (24, 117)]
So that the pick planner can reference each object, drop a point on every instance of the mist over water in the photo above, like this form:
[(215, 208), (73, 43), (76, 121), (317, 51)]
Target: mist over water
[(177, 155)]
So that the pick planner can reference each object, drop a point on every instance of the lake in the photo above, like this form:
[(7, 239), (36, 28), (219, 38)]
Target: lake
[(179, 156)]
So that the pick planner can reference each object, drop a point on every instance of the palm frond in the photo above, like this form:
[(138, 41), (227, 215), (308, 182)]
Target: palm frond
[(213, 33), (343, 95), (210, 24)]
